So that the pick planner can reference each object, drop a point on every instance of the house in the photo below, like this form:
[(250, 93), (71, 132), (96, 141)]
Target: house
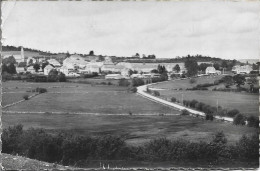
[(54, 62), (20, 70), (30, 69), (75, 61), (47, 69), (114, 76), (19, 56), (212, 71), (246, 69)]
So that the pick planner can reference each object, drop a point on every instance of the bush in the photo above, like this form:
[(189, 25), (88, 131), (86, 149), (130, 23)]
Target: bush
[(193, 103), (62, 77), (133, 89), (123, 83), (41, 90), (253, 121), (148, 90), (156, 93), (239, 120), (26, 97), (109, 83), (209, 117), (185, 112), (137, 82), (232, 113), (193, 80), (173, 99)]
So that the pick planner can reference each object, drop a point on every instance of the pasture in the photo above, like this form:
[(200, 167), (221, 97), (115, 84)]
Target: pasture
[(185, 83), (246, 103), (134, 129), (71, 97)]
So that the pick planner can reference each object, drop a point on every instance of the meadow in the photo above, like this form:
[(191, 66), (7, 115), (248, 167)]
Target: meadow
[(85, 98), (246, 103), (97, 103), (134, 129)]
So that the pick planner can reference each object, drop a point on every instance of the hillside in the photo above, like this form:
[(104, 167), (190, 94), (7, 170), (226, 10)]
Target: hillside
[(10, 162)]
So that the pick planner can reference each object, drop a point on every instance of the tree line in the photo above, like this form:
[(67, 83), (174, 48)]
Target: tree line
[(67, 149)]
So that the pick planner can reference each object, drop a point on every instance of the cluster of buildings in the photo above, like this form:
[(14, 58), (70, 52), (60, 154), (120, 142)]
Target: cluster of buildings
[(76, 64), (245, 69)]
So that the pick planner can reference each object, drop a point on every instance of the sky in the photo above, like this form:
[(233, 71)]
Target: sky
[(225, 29)]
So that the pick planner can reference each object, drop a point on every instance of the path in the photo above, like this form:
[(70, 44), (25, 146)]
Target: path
[(141, 90)]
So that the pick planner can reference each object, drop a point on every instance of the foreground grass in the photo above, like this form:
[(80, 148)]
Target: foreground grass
[(135, 130)]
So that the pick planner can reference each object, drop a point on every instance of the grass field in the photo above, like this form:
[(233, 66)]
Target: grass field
[(184, 84), (246, 103), (70, 97), (135, 129)]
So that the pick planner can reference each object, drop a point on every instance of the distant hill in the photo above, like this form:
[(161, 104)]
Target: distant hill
[(250, 61)]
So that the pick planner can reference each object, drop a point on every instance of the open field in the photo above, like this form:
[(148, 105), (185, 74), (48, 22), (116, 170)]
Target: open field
[(246, 103), (185, 83), (69, 97), (135, 129)]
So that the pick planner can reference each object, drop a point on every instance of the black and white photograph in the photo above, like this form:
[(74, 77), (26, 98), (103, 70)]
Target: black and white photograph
[(130, 85)]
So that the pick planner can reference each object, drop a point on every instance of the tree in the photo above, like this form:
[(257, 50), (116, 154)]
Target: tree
[(203, 66), (161, 69), (36, 66), (154, 71), (192, 66), (53, 75), (224, 64), (219, 137), (9, 60), (12, 68), (22, 64), (253, 121), (91, 52), (216, 66), (62, 77), (130, 72), (227, 80), (30, 62), (5, 68), (177, 68), (239, 120), (44, 64), (239, 80)]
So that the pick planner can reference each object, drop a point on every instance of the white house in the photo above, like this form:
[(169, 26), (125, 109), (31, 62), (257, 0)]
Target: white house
[(30, 69), (54, 62), (20, 70), (75, 61), (212, 70), (47, 69), (246, 69)]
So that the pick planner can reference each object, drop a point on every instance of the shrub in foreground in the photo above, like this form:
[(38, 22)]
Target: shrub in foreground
[(68, 149)]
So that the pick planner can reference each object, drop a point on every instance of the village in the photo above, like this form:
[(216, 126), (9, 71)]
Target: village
[(75, 65)]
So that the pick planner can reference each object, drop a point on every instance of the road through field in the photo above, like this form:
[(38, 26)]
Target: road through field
[(141, 91)]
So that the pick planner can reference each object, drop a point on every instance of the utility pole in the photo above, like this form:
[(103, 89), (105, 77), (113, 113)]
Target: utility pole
[(217, 105), (182, 98)]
